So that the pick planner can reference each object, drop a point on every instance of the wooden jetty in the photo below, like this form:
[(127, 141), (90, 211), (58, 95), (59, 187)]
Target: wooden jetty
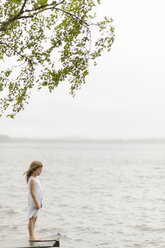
[(23, 243)]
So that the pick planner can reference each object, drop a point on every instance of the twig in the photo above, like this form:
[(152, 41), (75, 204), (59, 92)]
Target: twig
[(21, 55), (74, 16)]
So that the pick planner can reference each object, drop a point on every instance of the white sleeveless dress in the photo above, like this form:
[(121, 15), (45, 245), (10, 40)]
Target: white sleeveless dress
[(32, 211)]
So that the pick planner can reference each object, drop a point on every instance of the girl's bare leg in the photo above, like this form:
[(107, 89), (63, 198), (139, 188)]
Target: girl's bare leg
[(31, 227), (35, 218)]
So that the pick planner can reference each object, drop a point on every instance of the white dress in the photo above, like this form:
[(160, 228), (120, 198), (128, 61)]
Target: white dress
[(32, 211)]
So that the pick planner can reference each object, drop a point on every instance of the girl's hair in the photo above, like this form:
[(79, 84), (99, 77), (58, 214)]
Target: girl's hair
[(33, 167)]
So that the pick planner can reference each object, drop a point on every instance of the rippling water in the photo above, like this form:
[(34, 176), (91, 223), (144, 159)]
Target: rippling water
[(95, 195)]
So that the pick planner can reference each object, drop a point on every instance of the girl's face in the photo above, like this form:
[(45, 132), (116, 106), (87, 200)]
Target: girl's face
[(38, 171)]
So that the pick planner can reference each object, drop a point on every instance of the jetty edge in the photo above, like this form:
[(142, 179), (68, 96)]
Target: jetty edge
[(23, 243)]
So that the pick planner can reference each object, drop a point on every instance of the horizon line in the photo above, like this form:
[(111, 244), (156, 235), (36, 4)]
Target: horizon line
[(8, 138)]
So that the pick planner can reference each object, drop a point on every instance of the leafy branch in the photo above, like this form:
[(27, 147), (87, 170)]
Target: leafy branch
[(55, 42)]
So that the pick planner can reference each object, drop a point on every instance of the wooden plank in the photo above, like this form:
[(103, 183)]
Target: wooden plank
[(17, 243), (24, 243)]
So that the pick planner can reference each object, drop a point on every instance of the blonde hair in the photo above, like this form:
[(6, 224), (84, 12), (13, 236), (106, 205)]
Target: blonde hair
[(33, 167)]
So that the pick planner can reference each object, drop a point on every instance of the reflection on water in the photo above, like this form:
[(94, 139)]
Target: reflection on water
[(95, 195)]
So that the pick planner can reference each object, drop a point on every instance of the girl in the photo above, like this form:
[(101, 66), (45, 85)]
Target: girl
[(35, 196)]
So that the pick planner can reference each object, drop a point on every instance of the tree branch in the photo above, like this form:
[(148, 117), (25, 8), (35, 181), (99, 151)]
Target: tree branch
[(23, 6), (22, 11), (53, 4), (7, 23)]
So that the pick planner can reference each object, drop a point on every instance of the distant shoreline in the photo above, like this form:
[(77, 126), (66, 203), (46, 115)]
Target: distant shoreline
[(8, 139)]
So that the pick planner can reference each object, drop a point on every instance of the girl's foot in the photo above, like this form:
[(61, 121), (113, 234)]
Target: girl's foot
[(34, 239)]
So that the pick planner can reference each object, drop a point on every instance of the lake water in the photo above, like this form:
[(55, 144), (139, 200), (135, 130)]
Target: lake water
[(96, 195)]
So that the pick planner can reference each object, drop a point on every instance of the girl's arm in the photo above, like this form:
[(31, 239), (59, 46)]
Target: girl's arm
[(32, 187)]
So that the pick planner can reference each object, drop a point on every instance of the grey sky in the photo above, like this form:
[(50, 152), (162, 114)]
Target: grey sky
[(124, 94)]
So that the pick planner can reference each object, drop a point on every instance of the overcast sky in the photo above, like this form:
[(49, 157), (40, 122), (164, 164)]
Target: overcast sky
[(125, 94)]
